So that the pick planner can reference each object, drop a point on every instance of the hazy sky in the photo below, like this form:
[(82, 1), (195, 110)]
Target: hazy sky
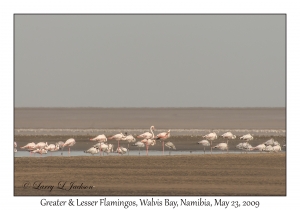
[(149, 60)]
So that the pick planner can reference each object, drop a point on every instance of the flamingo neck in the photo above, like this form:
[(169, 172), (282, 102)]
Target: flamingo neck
[(151, 129)]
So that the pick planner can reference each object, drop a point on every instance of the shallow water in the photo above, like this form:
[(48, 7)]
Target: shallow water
[(131, 153)]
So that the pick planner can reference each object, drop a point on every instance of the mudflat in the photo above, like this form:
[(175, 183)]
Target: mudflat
[(190, 175), (143, 118)]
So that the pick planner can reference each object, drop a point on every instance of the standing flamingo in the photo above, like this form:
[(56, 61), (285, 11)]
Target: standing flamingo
[(247, 137), (117, 137), (222, 146), (41, 145), (30, 147), (148, 142), (147, 135), (228, 136), (163, 136), (69, 143), (139, 145), (259, 147), (210, 137), (99, 138), (170, 145), (129, 139), (204, 143)]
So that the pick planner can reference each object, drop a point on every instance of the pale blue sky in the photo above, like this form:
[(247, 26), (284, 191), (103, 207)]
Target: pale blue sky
[(149, 60)]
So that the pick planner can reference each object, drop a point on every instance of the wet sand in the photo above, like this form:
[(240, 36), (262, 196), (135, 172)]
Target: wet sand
[(193, 175)]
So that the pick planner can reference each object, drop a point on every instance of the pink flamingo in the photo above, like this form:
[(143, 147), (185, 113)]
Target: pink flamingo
[(99, 138), (148, 142), (52, 148), (30, 147), (147, 135), (210, 137), (69, 143), (163, 136), (129, 139), (117, 137), (41, 145)]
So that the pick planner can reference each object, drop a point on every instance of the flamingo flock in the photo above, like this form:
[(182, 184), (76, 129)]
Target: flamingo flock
[(43, 147), (149, 139)]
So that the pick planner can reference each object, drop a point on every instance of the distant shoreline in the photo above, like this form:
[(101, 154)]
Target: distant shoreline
[(143, 118)]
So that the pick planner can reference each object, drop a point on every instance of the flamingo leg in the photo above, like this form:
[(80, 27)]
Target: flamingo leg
[(204, 150), (147, 149), (163, 146), (69, 151), (128, 149), (139, 151), (227, 145), (210, 147)]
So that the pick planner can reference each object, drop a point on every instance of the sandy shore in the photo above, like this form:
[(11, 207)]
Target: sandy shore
[(201, 175)]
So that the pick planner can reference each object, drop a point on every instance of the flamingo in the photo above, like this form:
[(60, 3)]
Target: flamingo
[(60, 144), (117, 137), (204, 143), (259, 147), (92, 150), (43, 151), (69, 143), (246, 146), (210, 137), (99, 138), (121, 150), (147, 135), (163, 136), (129, 139), (29, 146), (15, 147), (247, 137), (269, 142), (276, 143), (269, 148), (110, 148), (148, 142), (277, 148), (52, 148), (240, 146), (170, 145), (41, 145), (35, 151), (101, 146), (221, 146), (228, 136), (139, 145)]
